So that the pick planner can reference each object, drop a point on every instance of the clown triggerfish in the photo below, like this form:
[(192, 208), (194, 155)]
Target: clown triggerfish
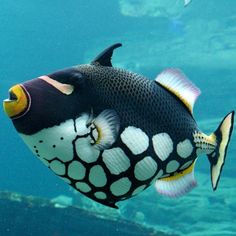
[(110, 133)]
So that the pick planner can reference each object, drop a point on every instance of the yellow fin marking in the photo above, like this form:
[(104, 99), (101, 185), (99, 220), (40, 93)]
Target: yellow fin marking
[(99, 135), (180, 174), (180, 97)]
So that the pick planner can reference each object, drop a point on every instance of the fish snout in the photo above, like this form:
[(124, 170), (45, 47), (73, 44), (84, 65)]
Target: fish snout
[(18, 103)]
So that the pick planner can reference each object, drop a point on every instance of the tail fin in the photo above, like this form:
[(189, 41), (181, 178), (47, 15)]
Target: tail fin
[(217, 157)]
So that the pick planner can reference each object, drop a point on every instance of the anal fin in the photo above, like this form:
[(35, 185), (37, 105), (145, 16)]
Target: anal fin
[(177, 185)]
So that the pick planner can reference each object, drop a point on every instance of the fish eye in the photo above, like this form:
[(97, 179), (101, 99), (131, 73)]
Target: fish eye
[(66, 89)]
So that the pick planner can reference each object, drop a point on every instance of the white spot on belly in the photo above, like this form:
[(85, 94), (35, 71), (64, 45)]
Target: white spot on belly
[(172, 166), (81, 124), (120, 187), (53, 142), (83, 187), (57, 167), (100, 195), (145, 169), (76, 170), (185, 148), (97, 176), (186, 165), (135, 139), (138, 190), (163, 145), (159, 174), (86, 151), (116, 160)]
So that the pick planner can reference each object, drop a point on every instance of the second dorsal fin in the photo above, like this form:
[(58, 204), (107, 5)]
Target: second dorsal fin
[(104, 58), (178, 84)]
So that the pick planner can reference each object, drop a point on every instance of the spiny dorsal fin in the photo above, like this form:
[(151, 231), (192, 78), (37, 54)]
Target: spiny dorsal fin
[(178, 84), (104, 58)]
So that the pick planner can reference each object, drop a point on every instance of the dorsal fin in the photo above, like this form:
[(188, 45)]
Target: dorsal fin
[(104, 58), (178, 84)]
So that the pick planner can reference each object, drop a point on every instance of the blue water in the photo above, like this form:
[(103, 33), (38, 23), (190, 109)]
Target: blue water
[(38, 37)]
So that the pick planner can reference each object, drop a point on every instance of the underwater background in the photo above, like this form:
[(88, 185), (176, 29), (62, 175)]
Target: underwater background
[(39, 37)]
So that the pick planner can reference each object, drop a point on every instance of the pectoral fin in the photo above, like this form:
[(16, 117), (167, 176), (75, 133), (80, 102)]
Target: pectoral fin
[(104, 129), (177, 185)]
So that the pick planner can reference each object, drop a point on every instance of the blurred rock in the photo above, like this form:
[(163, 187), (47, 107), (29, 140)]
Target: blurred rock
[(27, 216)]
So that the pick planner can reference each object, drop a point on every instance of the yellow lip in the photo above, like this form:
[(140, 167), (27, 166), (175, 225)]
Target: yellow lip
[(18, 104)]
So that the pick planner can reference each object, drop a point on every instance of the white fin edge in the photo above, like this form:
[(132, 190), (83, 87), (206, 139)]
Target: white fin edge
[(217, 157), (107, 124), (177, 186), (177, 83)]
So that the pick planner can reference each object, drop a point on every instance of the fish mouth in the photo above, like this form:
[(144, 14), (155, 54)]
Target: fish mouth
[(18, 103)]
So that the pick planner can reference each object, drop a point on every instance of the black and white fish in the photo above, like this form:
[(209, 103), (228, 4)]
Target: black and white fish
[(110, 133)]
